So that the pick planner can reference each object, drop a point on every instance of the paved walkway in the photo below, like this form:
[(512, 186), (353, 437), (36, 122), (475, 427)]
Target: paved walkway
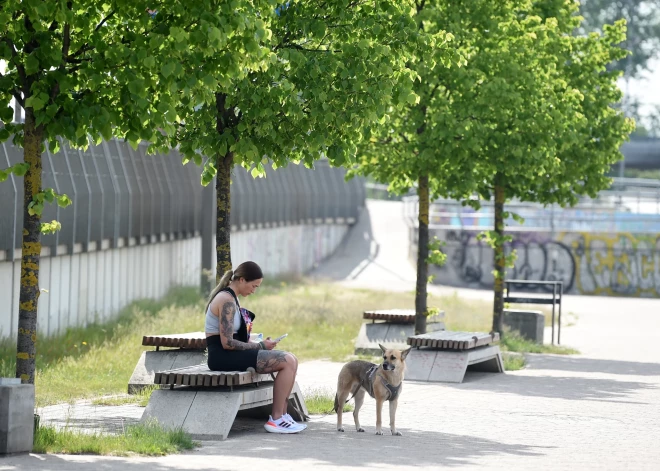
[(598, 410), (560, 413)]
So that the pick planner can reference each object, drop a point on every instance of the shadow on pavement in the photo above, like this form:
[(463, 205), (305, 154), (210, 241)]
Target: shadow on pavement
[(556, 387), (324, 444), (589, 365), (321, 444)]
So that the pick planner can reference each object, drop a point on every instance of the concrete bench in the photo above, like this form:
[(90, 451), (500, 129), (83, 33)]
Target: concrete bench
[(205, 403), (445, 356), (185, 349), (391, 328)]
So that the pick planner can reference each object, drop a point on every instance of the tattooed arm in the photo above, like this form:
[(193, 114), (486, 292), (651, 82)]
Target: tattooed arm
[(227, 329)]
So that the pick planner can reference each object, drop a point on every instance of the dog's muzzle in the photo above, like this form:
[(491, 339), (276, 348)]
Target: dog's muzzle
[(388, 366)]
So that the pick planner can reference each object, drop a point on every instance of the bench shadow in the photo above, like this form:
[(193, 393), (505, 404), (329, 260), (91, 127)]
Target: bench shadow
[(592, 365), (573, 388)]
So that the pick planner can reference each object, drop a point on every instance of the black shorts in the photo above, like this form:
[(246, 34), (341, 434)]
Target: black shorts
[(229, 360)]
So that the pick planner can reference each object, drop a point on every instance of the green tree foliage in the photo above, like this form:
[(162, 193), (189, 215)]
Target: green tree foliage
[(529, 117), (643, 29), (328, 72), (97, 69)]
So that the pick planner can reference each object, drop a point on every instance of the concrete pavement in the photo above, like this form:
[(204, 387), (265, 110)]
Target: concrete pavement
[(560, 413)]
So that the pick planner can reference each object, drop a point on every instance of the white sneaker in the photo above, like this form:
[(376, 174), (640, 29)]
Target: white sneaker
[(281, 425), (290, 419)]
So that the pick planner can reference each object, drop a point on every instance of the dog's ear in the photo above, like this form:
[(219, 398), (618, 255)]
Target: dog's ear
[(382, 348), (405, 353)]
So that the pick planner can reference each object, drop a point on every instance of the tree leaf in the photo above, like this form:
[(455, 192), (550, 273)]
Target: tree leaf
[(168, 69), (20, 169), (63, 201)]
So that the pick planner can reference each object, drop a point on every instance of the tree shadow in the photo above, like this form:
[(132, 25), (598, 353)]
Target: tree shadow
[(573, 388), (590, 365), (319, 444)]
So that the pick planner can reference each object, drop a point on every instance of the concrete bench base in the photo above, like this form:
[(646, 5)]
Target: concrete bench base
[(152, 361), (390, 335), (447, 366), (209, 413)]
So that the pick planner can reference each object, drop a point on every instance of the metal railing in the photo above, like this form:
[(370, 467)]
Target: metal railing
[(538, 298), (630, 205), (121, 196)]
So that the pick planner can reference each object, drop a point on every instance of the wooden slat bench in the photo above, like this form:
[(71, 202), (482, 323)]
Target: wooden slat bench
[(185, 349), (191, 340), (205, 403), (452, 340), (391, 328), (200, 375), (445, 356)]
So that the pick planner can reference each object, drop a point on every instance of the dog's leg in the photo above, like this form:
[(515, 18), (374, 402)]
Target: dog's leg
[(340, 399), (359, 399), (393, 405), (379, 415)]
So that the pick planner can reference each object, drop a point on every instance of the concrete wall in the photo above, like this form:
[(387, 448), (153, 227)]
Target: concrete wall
[(609, 264), (290, 250), (94, 286)]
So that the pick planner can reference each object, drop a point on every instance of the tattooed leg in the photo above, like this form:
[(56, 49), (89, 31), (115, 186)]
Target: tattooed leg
[(285, 364)]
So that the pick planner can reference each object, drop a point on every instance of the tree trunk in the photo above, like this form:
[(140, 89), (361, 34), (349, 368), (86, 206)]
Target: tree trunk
[(223, 210), (499, 256), (31, 251), (421, 307)]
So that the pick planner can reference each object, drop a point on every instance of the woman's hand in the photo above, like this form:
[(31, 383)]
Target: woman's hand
[(270, 344)]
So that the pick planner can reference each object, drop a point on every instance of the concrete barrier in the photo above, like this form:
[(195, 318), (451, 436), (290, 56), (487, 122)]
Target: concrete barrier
[(16, 416), (529, 323)]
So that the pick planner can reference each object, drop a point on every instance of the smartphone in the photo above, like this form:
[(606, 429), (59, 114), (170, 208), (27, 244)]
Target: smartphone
[(280, 337)]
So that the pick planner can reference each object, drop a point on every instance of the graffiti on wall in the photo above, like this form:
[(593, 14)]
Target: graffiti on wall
[(620, 264), (538, 259)]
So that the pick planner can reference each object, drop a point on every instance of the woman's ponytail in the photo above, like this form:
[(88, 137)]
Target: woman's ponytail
[(226, 278), (224, 282)]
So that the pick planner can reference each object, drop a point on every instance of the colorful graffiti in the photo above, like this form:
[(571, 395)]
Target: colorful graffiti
[(622, 264)]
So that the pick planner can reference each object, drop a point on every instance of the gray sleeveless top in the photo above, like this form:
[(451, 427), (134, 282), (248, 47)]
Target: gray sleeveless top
[(212, 323)]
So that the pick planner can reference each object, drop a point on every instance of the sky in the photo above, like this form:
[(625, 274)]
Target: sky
[(647, 88)]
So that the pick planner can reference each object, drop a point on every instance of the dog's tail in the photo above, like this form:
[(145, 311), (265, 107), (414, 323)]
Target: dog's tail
[(336, 408)]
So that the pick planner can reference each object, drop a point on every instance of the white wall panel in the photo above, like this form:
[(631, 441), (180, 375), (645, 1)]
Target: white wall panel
[(94, 286)]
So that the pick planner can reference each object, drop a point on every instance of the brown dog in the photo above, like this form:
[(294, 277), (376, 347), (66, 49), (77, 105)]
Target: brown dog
[(382, 382)]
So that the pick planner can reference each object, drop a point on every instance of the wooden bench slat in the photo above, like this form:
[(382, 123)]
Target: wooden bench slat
[(200, 375), (404, 316), (195, 340), (455, 340)]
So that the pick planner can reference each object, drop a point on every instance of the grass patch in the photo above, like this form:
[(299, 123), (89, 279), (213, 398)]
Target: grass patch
[(512, 342), (143, 439), (322, 321), (321, 402), (98, 360), (513, 362)]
